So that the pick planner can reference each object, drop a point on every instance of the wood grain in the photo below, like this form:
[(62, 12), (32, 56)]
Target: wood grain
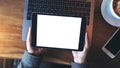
[(11, 16)]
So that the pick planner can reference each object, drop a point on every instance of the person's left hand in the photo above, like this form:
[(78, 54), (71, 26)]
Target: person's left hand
[(30, 49)]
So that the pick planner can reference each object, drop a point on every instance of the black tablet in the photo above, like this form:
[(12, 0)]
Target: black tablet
[(59, 32)]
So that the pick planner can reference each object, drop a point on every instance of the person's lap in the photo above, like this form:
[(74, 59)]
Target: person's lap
[(53, 65)]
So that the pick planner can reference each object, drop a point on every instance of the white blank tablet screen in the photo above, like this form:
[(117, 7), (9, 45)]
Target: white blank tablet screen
[(58, 31)]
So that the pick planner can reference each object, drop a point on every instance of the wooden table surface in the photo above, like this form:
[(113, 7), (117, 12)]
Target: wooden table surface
[(102, 31), (11, 18), (11, 45)]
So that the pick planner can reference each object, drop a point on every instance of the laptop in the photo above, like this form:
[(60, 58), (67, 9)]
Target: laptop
[(70, 8)]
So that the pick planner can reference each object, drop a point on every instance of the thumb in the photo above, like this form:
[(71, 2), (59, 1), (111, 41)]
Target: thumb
[(28, 41)]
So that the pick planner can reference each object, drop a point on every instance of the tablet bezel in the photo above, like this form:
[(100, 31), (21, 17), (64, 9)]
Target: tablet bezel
[(81, 38)]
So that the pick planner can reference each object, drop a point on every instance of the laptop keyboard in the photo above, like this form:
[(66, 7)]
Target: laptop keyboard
[(74, 8)]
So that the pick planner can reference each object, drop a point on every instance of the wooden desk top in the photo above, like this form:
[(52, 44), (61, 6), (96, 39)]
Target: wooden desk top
[(102, 31), (11, 45), (11, 16)]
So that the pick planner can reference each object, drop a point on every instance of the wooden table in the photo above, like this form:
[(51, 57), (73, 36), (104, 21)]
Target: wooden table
[(11, 18), (102, 31), (11, 45)]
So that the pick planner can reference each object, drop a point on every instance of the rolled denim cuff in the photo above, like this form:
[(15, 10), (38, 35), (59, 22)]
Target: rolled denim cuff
[(31, 60)]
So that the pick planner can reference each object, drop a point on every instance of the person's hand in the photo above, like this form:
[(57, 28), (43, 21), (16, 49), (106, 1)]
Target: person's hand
[(30, 49), (80, 57)]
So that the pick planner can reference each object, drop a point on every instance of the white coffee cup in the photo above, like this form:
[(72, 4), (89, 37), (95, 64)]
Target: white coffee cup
[(110, 10)]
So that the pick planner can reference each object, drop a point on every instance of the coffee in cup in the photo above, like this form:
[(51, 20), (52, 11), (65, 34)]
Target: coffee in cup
[(116, 7)]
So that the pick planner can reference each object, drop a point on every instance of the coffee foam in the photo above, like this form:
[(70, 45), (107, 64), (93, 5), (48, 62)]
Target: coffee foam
[(116, 7)]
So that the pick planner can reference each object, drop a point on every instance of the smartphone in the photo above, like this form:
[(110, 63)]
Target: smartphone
[(112, 46)]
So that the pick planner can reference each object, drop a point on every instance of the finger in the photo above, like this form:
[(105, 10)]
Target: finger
[(29, 33), (76, 52), (86, 42), (28, 42), (41, 50), (73, 53)]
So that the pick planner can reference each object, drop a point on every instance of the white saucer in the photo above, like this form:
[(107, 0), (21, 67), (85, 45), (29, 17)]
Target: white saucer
[(108, 18)]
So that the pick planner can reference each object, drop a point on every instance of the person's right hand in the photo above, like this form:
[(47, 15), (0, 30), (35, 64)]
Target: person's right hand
[(30, 49), (80, 56)]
